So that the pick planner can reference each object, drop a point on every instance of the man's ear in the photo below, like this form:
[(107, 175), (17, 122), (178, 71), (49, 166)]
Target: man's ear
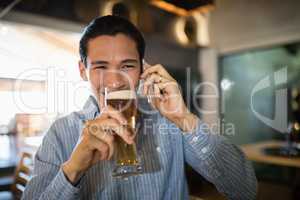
[(82, 70)]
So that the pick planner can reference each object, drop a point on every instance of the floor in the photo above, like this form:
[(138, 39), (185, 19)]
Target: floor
[(208, 192), (265, 191)]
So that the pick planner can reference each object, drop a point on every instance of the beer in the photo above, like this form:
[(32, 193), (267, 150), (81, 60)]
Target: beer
[(125, 156)]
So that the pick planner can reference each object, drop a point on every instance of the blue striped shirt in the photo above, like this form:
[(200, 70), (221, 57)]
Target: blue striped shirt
[(163, 150)]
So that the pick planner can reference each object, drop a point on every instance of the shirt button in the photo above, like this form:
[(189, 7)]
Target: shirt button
[(158, 149), (195, 139), (204, 149)]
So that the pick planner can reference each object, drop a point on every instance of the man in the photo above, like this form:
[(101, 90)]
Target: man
[(75, 163)]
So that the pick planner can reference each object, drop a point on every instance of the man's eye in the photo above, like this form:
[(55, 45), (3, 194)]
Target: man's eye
[(100, 67), (127, 66)]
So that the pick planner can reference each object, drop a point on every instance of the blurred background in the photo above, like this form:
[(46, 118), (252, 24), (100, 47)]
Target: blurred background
[(237, 62)]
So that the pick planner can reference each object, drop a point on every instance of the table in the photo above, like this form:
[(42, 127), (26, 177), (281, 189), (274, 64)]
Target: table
[(10, 149), (255, 153)]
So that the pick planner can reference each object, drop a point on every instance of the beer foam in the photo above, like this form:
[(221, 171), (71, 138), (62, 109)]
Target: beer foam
[(121, 94)]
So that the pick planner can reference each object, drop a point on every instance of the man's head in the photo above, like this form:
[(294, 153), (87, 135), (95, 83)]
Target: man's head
[(111, 51)]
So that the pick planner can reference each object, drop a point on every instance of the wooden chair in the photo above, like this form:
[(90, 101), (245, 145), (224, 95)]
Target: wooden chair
[(195, 198), (22, 175)]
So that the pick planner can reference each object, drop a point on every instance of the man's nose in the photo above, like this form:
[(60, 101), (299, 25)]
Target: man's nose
[(115, 80)]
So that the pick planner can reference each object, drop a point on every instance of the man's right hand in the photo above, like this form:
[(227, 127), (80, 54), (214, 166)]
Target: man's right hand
[(96, 143)]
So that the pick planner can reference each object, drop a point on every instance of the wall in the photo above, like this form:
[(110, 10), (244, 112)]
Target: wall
[(239, 25), (242, 24)]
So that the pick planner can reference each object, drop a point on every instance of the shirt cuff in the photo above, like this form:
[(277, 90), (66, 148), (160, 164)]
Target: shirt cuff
[(201, 140), (63, 187)]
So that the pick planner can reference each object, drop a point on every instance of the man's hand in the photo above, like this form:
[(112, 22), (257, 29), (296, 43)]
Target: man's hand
[(166, 97), (96, 143)]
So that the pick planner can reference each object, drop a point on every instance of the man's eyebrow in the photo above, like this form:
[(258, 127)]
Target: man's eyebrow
[(129, 60), (99, 62), (102, 62)]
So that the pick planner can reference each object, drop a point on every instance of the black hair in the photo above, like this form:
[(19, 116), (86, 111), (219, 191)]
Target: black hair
[(110, 25)]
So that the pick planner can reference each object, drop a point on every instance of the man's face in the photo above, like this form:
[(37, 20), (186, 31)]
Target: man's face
[(112, 62)]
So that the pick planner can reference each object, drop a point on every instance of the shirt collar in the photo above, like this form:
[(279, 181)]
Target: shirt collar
[(90, 109)]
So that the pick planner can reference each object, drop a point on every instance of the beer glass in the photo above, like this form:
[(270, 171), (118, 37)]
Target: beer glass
[(126, 160)]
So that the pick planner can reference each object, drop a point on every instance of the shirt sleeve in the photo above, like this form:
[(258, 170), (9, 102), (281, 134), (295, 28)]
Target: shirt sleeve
[(220, 162), (48, 180)]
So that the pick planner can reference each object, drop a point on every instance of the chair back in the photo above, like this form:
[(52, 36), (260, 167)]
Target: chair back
[(22, 174)]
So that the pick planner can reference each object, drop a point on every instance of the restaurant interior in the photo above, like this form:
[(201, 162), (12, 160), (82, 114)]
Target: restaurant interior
[(237, 63)]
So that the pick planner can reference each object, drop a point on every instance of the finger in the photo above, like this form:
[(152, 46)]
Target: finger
[(149, 92), (109, 140), (157, 92), (104, 134), (169, 90), (168, 86), (151, 79), (96, 144), (109, 126), (158, 97), (155, 78), (159, 69), (147, 87), (120, 130), (99, 126), (110, 112), (124, 133), (151, 69)]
